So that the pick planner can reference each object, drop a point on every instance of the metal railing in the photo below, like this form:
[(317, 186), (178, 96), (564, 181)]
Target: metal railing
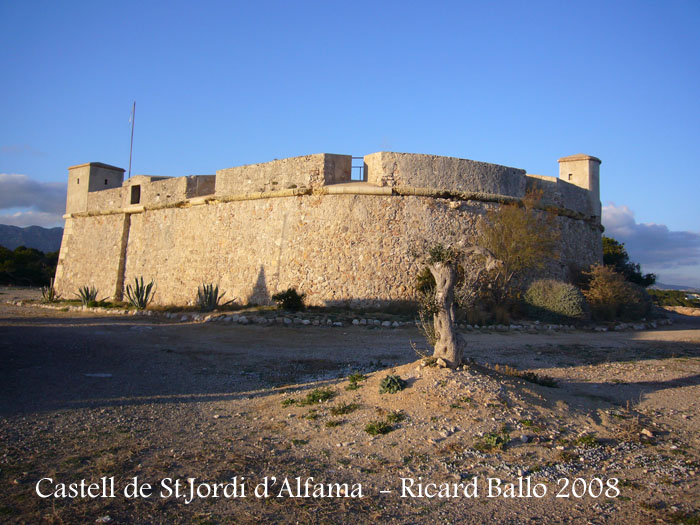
[(358, 169)]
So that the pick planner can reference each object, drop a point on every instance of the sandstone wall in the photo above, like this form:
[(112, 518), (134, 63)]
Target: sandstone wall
[(338, 249), (77, 200), (308, 171), (445, 173), (153, 191), (562, 194), (106, 199), (338, 242), (91, 255)]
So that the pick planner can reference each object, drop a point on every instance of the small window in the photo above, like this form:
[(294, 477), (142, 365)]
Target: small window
[(570, 176), (135, 194), (105, 182), (78, 181)]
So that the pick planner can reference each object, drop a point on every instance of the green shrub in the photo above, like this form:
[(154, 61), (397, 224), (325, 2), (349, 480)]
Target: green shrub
[(356, 376), (395, 416), (355, 379), (49, 294), (587, 441), (555, 301), (639, 306), (311, 415), (375, 428), (615, 255), (344, 408), (290, 299), (672, 298), (87, 295), (493, 440), (425, 282), (612, 297), (318, 395), (387, 424), (27, 266), (208, 297), (391, 384), (140, 294), (441, 254)]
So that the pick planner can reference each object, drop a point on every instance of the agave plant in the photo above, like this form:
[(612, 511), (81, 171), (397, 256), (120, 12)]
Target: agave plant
[(87, 295), (140, 294), (290, 299), (49, 294), (208, 297)]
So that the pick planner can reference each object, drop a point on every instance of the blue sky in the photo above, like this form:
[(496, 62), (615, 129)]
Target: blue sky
[(219, 84)]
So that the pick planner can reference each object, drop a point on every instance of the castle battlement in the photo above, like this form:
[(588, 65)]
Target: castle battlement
[(576, 189), (303, 222)]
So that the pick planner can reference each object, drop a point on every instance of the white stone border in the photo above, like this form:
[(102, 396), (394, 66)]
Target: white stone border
[(286, 319)]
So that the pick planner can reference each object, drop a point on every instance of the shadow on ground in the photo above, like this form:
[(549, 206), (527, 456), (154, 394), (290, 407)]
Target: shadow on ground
[(54, 362)]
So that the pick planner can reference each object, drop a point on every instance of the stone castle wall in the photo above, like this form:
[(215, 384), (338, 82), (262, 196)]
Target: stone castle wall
[(337, 241), (309, 171), (448, 173)]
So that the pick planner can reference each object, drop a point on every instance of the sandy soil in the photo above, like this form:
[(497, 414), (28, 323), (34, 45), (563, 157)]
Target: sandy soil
[(84, 396)]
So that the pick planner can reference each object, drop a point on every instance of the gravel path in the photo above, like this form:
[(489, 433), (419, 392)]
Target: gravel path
[(84, 396)]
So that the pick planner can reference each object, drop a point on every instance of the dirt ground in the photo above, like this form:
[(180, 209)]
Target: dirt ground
[(85, 396)]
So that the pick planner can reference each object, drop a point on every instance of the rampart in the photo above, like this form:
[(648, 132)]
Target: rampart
[(302, 222)]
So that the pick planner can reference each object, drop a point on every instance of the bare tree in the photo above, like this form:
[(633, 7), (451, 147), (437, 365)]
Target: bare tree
[(443, 263)]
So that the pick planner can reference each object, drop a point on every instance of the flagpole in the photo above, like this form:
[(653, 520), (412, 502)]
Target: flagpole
[(131, 149)]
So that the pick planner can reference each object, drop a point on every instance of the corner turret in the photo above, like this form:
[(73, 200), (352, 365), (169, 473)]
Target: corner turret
[(84, 178), (583, 171)]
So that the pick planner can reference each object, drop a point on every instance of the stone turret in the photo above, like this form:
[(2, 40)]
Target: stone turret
[(84, 178), (583, 171)]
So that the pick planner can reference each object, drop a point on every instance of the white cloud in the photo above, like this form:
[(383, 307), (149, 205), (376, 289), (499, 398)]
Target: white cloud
[(32, 218), (26, 201), (672, 255)]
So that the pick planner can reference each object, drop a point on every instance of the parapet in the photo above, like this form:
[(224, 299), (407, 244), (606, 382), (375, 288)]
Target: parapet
[(444, 173), (308, 171), (558, 193), (100, 188)]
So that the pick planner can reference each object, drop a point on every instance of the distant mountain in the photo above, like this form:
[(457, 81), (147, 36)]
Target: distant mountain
[(662, 286), (43, 239)]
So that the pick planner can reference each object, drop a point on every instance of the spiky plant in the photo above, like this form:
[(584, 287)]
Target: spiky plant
[(49, 294), (140, 294), (290, 299), (208, 297), (87, 295)]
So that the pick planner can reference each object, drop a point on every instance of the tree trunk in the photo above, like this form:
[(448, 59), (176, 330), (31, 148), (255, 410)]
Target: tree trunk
[(447, 346)]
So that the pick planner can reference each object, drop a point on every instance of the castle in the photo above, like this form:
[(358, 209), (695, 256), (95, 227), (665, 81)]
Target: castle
[(303, 222)]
